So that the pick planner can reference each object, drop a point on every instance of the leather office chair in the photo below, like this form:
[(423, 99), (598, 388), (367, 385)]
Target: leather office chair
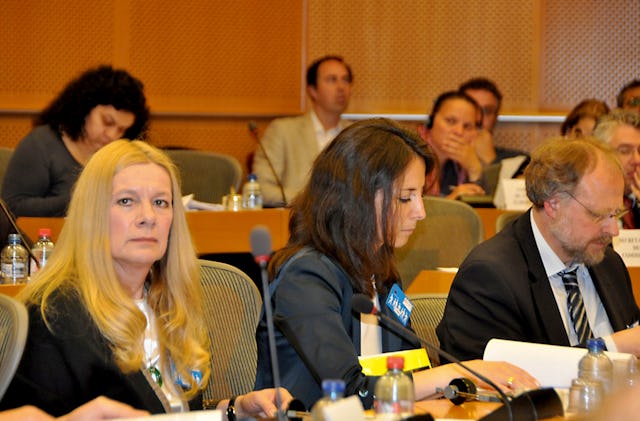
[(425, 317), (14, 323), (443, 239), (504, 218), (232, 310), (208, 175)]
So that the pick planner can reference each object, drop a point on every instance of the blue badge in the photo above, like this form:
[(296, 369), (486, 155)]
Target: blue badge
[(399, 304)]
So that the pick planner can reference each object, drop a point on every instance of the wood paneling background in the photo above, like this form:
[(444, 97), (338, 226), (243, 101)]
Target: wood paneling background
[(210, 66)]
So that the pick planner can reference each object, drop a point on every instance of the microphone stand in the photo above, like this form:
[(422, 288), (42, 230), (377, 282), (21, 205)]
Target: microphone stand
[(253, 130), (261, 249)]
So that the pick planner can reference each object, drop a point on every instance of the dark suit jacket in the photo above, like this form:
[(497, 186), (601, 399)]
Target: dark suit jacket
[(317, 335), (502, 291), (71, 364)]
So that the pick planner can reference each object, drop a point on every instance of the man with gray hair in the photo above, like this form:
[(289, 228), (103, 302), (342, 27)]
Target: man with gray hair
[(620, 129), (550, 276)]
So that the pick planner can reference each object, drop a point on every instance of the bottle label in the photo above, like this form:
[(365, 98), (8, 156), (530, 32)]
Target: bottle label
[(14, 270)]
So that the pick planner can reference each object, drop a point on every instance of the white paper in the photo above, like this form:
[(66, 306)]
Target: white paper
[(627, 245), (509, 166), (553, 366), (191, 204), (209, 415), (511, 195)]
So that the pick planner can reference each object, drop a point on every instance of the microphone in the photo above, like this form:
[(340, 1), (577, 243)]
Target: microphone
[(260, 239), (253, 130), (14, 225), (531, 405)]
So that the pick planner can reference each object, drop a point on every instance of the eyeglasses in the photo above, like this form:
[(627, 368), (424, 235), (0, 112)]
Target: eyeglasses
[(601, 217)]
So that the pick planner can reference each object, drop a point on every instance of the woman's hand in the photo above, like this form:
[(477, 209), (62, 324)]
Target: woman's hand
[(506, 376), (261, 403), (102, 408)]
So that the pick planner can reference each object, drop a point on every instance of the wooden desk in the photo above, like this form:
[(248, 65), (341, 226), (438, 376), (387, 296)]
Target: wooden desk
[(489, 216), (435, 281), (212, 232), (11, 290), (443, 408)]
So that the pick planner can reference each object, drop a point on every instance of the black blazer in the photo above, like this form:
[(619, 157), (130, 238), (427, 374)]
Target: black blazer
[(72, 363), (502, 291), (317, 333)]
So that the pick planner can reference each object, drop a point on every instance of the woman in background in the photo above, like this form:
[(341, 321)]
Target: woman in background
[(451, 130), (117, 311), (581, 121), (363, 199), (103, 104)]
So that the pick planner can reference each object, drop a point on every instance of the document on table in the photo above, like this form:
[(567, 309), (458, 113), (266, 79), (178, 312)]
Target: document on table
[(553, 366)]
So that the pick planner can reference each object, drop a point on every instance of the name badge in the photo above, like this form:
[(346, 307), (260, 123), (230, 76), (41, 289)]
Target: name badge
[(399, 304)]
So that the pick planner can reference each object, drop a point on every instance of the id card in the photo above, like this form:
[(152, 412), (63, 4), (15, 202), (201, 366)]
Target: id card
[(399, 304)]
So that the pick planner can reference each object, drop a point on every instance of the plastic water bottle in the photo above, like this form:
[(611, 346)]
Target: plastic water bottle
[(251, 193), (596, 365), (333, 390), (13, 261), (394, 393), (42, 249)]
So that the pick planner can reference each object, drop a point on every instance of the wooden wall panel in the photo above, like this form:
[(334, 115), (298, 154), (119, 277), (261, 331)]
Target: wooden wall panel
[(404, 53), (210, 66), (591, 49)]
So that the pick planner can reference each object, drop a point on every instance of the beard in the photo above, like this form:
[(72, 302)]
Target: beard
[(579, 251)]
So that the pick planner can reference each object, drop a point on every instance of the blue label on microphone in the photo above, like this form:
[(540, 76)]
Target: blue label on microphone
[(399, 304)]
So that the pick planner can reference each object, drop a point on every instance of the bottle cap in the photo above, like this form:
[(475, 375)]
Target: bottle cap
[(395, 363), (333, 386), (44, 232), (252, 177), (14, 238), (595, 345)]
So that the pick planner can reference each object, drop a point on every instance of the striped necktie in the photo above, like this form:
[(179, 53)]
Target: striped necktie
[(575, 305)]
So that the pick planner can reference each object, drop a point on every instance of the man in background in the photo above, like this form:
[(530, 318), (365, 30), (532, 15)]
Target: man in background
[(293, 143), (489, 99), (629, 96), (550, 276), (620, 129)]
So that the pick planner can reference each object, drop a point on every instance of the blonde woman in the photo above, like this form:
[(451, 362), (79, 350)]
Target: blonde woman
[(117, 311)]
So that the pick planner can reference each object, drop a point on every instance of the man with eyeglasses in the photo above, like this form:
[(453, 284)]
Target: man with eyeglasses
[(550, 276), (629, 96), (620, 129)]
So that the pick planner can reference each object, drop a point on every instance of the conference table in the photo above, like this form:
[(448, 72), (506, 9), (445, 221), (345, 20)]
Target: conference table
[(211, 231)]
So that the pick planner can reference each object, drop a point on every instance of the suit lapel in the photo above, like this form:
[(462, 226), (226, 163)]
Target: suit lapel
[(604, 281), (543, 298)]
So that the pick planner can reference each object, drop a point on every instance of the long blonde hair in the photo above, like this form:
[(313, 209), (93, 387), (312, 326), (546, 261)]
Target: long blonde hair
[(82, 265)]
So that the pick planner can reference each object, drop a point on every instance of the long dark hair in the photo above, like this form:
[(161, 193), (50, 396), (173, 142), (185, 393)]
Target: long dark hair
[(102, 85), (335, 213)]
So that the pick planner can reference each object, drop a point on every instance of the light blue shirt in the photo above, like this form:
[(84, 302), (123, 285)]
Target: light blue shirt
[(596, 313)]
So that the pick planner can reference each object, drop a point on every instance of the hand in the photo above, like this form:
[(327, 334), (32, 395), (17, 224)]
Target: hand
[(635, 185), (461, 150), (466, 189), (484, 147), (25, 413), (506, 376), (261, 403), (102, 408), (628, 340)]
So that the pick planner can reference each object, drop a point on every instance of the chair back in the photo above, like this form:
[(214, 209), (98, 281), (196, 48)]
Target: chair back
[(425, 317), (443, 239), (206, 175), (5, 157), (232, 310), (14, 324), (504, 218)]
